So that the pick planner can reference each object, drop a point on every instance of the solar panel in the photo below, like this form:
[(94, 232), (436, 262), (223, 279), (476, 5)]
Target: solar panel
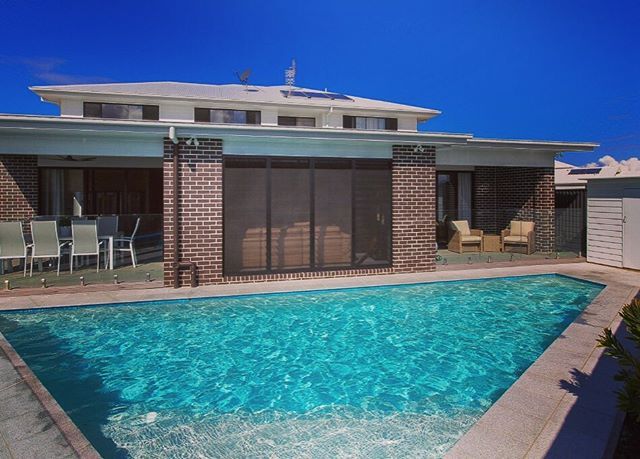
[(587, 171), (314, 95), (292, 93), (339, 96)]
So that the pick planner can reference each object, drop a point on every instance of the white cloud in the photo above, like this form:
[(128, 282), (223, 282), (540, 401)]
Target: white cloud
[(625, 165)]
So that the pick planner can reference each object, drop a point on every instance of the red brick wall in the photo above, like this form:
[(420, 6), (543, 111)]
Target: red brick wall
[(200, 207), (414, 209), (18, 187), (502, 194), (201, 223)]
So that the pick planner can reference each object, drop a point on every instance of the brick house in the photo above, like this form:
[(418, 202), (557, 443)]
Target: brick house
[(269, 182)]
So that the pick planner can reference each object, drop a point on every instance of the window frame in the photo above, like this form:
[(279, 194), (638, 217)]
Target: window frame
[(354, 164), (152, 112), (256, 114), (350, 122), (295, 120)]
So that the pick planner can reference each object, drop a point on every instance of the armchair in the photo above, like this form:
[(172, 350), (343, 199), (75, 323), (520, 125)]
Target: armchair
[(520, 233), (464, 237)]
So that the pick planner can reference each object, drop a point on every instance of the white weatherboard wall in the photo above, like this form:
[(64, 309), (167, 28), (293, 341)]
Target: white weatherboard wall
[(613, 226)]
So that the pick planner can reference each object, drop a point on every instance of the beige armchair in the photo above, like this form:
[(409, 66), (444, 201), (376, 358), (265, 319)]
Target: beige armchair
[(464, 238), (520, 233)]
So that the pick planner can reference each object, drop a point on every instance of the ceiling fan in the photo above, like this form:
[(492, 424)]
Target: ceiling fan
[(71, 158)]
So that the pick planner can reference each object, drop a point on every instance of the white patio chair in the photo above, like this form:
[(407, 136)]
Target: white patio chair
[(128, 243), (84, 241), (107, 226), (46, 243), (12, 244)]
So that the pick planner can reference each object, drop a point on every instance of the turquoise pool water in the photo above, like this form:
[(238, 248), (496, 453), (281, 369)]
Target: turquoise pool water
[(398, 371)]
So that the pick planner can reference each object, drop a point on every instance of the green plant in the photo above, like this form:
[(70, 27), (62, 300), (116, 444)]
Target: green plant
[(629, 374)]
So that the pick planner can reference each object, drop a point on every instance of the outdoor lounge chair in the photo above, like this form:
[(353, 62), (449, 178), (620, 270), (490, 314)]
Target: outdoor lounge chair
[(46, 243), (126, 244), (520, 233), (12, 244), (464, 238), (84, 241)]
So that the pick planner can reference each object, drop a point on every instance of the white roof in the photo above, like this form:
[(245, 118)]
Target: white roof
[(228, 92), (570, 176)]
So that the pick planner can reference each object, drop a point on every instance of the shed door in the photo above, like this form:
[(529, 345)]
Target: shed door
[(631, 228)]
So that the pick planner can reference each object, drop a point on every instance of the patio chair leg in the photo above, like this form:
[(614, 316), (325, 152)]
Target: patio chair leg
[(133, 255), (58, 272), (30, 270), (98, 262), (25, 266), (71, 263)]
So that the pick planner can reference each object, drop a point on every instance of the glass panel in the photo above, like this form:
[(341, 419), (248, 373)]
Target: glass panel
[(332, 213), (92, 110), (372, 213), (151, 112), (202, 115), (245, 215), (286, 121), (290, 211), (58, 190), (464, 196)]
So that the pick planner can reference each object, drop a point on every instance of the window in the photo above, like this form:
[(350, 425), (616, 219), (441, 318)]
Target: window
[(67, 191), (369, 123), (293, 214), (296, 121), (224, 116), (121, 111)]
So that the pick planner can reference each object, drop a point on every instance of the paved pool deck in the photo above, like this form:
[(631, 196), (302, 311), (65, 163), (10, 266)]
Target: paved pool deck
[(562, 406)]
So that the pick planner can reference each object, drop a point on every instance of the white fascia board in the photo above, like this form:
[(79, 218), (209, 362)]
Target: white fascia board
[(558, 146)]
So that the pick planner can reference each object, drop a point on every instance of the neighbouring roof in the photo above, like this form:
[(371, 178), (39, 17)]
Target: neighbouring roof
[(570, 176), (278, 94)]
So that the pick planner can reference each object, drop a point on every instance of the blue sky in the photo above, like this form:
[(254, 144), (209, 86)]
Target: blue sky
[(527, 69)]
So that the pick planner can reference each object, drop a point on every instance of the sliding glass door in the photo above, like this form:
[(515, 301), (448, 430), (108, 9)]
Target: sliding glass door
[(295, 214), (453, 201)]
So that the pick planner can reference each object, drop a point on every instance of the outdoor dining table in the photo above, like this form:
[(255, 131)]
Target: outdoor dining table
[(105, 237)]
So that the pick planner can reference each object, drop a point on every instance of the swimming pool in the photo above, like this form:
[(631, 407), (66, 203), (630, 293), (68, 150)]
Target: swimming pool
[(398, 371)]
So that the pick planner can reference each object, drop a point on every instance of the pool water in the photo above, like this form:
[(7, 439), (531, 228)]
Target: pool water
[(394, 371)]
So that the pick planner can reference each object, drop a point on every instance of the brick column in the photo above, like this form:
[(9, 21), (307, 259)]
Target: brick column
[(502, 194), (18, 187), (414, 208), (545, 205), (200, 209)]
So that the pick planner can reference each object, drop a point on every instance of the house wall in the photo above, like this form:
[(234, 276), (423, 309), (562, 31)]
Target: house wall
[(18, 187), (502, 194), (201, 225)]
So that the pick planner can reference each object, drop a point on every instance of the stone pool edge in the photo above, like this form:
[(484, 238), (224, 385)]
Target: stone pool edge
[(564, 404), (72, 434)]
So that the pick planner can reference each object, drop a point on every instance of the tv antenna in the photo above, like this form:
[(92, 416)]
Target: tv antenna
[(244, 77), (290, 75)]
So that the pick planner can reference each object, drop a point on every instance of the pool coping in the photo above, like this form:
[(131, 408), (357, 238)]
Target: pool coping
[(72, 434), (499, 432)]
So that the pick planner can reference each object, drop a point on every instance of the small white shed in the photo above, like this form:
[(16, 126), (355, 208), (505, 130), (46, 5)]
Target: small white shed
[(613, 221)]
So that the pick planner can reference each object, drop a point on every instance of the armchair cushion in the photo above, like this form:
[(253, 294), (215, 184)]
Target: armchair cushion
[(471, 238), (462, 226), (523, 239), (520, 228)]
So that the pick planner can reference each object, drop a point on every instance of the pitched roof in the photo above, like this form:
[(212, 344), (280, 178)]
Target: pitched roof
[(229, 92)]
